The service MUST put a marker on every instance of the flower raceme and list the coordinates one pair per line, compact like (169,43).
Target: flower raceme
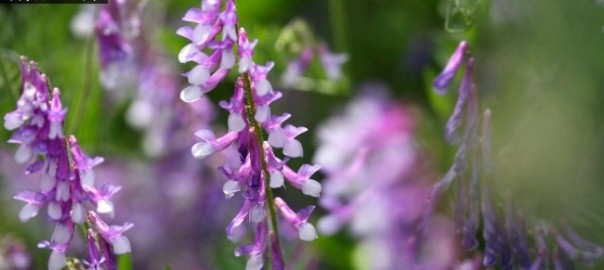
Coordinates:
(505,237)
(66,185)
(212,50)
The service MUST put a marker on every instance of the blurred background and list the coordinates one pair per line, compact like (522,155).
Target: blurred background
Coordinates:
(539,67)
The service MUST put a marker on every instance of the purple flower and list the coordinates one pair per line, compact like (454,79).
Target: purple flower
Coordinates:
(296,68)
(66,184)
(210,69)
(332,63)
(507,246)
(13,254)
(249,117)
(444,79)
(373,185)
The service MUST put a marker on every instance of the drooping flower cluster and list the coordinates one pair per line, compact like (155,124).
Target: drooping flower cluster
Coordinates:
(375,186)
(259,168)
(505,237)
(66,183)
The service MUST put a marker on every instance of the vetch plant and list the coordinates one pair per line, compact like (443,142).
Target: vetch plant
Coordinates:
(250,120)
(506,239)
(67,183)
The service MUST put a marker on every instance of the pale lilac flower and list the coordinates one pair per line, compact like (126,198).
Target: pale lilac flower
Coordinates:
(332,63)
(296,68)
(13,254)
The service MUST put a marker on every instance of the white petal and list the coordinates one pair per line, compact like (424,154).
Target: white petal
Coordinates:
(54,210)
(263,87)
(185,53)
(228,59)
(276,179)
(199,75)
(47,182)
(104,206)
(237,233)
(120,245)
(28,211)
(257,214)
(202,150)
(293,148)
(230,188)
(61,234)
(57,260)
(23,154)
(52,168)
(87,178)
(276,138)
(311,187)
(230,32)
(200,33)
(236,122)
(191,93)
(262,113)
(255,262)
(62,192)
(307,232)
(56,130)
(245,63)
(329,225)
(140,113)
(77,213)
(11,123)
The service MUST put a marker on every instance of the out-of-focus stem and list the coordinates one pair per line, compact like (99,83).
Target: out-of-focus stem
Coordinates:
(84,92)
(258,131)
(338,24)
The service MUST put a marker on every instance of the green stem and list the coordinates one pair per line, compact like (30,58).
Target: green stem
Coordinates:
(338,24)
(84,92)
(258,131)
(13,94)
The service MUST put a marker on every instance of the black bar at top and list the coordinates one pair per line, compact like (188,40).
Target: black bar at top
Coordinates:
(54,1)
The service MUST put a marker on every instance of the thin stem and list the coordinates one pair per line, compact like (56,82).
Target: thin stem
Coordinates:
(338,24)
(258,130)
(84,92)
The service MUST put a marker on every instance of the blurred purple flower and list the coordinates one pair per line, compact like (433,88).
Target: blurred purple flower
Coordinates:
(373,185)
(13,254)
(331,63)
(507,246)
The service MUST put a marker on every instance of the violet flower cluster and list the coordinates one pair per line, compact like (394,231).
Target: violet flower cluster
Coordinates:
(376,185)
(114,27)
(505,236)
(66,185)
(131,60)
(250,117)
